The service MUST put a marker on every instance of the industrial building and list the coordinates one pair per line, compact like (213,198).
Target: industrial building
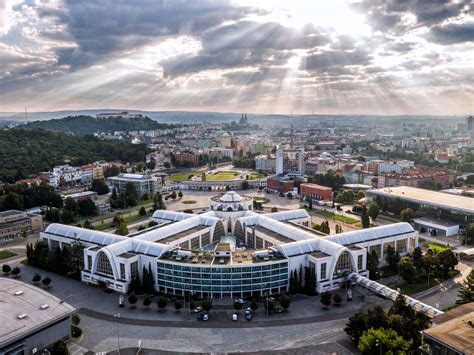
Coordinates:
(229,251)
(13,224)
(32,319)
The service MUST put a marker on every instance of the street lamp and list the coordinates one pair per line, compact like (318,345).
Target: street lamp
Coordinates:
(378,344)
(118,333)
(429,269)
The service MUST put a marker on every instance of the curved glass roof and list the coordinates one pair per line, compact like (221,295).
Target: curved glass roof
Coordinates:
(84,235)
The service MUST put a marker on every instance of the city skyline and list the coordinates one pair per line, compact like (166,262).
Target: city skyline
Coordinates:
(365,57)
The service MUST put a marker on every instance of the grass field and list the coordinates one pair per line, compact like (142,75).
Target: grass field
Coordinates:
(421,283)
(222,175)
(189,202)
(437,247)
(182,176)
(254,176)
(5,254)
(337,217)
(262,200)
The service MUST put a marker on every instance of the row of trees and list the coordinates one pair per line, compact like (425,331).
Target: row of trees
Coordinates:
(20,197)
(323,227)
(303,281)
(67,261)
(397,331)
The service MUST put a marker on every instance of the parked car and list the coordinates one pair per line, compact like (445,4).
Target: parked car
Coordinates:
(278,310)
(248,310)
(235,317)
(205,317)
(239,300)
(198,309)
(200,317)
(248,316)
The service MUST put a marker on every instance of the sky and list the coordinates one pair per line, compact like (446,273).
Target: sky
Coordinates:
(391,57)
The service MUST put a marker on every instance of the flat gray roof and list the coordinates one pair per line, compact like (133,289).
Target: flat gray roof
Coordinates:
(428,197)
(28,303)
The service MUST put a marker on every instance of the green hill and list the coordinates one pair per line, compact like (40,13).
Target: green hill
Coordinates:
(83,125)
(26,152)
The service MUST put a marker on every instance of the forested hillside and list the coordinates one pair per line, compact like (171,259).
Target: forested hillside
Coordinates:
(25,152)
(83,125)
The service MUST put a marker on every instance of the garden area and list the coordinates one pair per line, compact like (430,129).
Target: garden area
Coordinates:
(337,217)
(189,202)
(261,200)
(5,254)
(182,176)
(222,175)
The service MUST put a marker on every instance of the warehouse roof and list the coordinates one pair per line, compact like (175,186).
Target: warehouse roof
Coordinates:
(25,309)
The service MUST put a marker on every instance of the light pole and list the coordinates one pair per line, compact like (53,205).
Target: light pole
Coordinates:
(378,344)
(118,333)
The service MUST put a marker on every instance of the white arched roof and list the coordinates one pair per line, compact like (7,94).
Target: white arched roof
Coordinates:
(365,235)
(230,197)
(288,215)
(170,215)
(307,246)
(82,234)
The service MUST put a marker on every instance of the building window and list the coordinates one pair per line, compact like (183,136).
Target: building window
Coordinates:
(402,246)
(89,262)
(134,269)
(360,259)
(103,264)
(122,271)
(343,263)
(323,271)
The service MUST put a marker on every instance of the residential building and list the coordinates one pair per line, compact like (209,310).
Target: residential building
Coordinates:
(417,177)
(225,141)
(280,184)
(120,115)
(187,158)
(219,153)
(13,224)
(289,161)
(32,319)
(144,184)
(265,162)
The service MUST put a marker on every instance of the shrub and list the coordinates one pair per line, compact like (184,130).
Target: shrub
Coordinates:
(6,269)
(132,299)
(75,319)
(326,299)
(46,281)
(207,305)
(147,301)
(16,271)
(76,332)
(237,306)
(161,302)
(178,305)
(36,278)
(337,299)
(254,304)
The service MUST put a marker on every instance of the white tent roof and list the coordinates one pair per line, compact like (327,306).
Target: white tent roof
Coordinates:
(288,215)
(368,234)
(170,215)
(82,234)
(231,196)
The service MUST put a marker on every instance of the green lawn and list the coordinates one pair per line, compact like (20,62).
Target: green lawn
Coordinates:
(437,247)
(421,283)
(337,217)
(254,176)
(262,200)
(189,202)
(5,254)
(182,176)
(222,175)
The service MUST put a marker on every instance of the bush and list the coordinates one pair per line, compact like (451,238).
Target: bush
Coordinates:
(285,302)
(59,348)
(36,278)
(6,269)
(132,299)
(326,299)
(207,305)
(237,306)
(337,299)
(46,281)
(178,305)
(142,211)
(75,319)
(161,302)
(254,304)
(76,332)
(16,271)
(146,301)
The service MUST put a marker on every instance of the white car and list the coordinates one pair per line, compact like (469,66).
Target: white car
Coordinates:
(198,309)
(235,317)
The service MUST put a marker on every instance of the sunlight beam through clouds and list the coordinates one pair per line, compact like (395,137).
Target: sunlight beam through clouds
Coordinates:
(269,56)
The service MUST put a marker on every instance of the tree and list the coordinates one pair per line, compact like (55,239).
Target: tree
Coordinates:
(46,281)
(6,269)
(373,210)
(392,258)
(75,319)
(466,292)
(373,264)
(173,195)
(253,305)
(447,260)
(360,195)
(122,229)
(36,278)
(274,209)
(364,218)
(178,305)
(356,326)
(470,233)
(16,271)
(132,299)
(337,299)
(406,215)
(418,258)
(88,225)
(237,306)
(285,301)
(206,305)
(99,186)
(161,302)
(59,348)
(310,204)
(70,205)
(86,207)
(180,194)
(402,308)
(325,299)
(383,341)
(406,269)
(142,211)
(147,301)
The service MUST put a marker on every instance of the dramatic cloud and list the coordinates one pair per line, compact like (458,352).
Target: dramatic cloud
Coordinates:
(370,56)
